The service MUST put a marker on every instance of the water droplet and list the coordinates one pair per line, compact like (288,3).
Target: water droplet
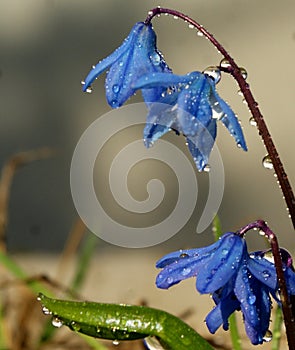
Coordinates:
(224,63)
(155,58)
(56,322)
(207,168)
(191,26)
(252,121)
(214,73)
(183,255)
(89,90)
(170,280)
(267,336)
(150,13)
(267,163)
(82,82)
(46,311)
(116,88)
(266,274)
(186,271)
(75,326)
(243,72)
(114,103)
(175,17)
(199,33)
(116,342)
(251,299)
(262,233)
(224,251)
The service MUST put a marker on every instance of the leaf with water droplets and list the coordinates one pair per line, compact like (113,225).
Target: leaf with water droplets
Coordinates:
(124,322)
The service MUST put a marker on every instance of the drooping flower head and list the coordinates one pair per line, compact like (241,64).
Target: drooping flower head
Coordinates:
(236,279)
(137,56)
(191,106)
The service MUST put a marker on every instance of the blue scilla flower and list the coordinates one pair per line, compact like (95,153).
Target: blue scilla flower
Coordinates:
(137,56)
(190,105)
(236,279)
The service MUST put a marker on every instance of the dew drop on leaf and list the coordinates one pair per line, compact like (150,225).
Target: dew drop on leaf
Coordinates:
(56,322)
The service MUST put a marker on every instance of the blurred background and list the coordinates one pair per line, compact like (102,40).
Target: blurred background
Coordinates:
(47,47)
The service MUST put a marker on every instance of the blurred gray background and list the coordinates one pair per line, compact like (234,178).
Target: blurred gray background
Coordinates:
(47,47)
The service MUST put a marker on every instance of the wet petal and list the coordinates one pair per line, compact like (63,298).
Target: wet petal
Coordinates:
(263,270)
(201,145)
(228,118)
(224,263)
(221,312)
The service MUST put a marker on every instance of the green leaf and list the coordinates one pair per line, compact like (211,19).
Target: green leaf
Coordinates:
(125,322)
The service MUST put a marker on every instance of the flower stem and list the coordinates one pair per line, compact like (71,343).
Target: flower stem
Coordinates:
(286,304)
(234,70)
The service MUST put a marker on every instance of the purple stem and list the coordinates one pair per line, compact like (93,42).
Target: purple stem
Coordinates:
(286,304)
(234,70)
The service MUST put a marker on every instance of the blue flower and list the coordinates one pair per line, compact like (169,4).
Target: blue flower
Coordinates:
(137,56)
(190,106)
(236,279)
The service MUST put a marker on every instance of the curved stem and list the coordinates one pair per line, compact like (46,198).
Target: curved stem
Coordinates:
(286,304)
(234,70)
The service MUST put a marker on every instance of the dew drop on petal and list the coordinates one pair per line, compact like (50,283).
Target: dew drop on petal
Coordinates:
(224,63)
(170,280)
(207,168)
(224,251)
(186,271)
(267,336)
(252,121)
(56,322)
(116,88)
(251,299)
(267,163)
(214,73)
(89,90)
(183,255)
(243,72)
(266,274)
(155,58)
(82,82)
(114,103)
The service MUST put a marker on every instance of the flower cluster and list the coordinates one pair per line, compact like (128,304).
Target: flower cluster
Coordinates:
(236,279)
(188,104)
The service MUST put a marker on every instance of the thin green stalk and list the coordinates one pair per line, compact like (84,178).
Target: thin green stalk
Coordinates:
(84,259)
(277,329)
(234,332)
(3,340)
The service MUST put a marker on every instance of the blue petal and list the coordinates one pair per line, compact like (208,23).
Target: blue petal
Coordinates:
(194,110)
(137,56)
(183,264)
(163,79)
(221,312)
(108,61)
(224,263)
(263,270)
(228,117)
(161,117)
(200,145)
